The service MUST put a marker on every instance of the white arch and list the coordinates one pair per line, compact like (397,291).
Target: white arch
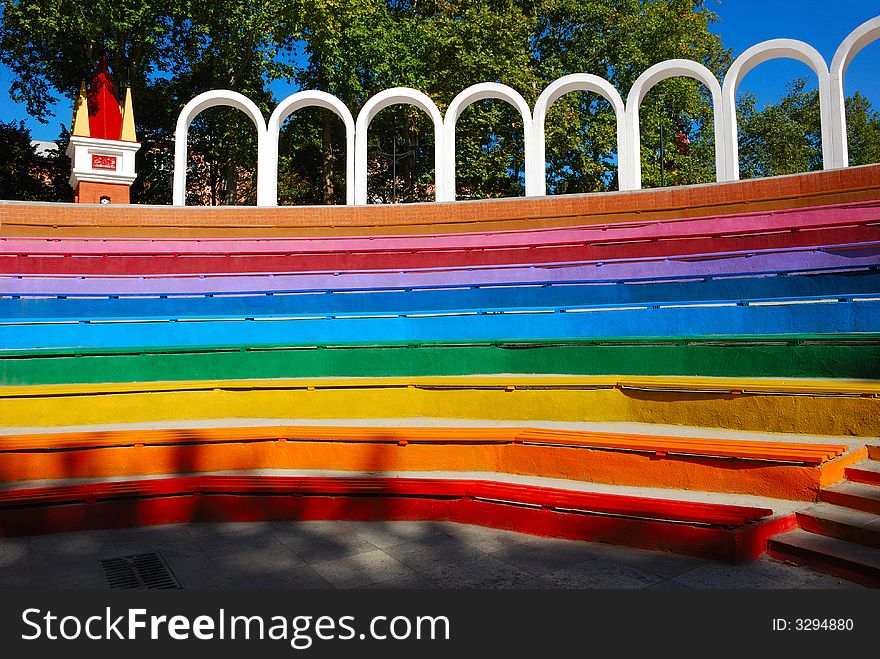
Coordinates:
(371,108)
(763,52)
(480,92)
(190,111)
(864,34)
(287,107)
(556,90)
(643,84)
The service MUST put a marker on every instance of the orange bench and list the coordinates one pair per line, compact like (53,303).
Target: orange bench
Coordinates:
(795,452)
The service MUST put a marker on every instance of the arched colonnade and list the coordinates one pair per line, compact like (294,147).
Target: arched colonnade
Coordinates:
(831,97)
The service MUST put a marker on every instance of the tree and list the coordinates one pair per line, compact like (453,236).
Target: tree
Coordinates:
(166,51)
(786,137)
(23,175)
(16,181)
(863,130)
(239,43)
(443,46)
(355,50)
(618,40)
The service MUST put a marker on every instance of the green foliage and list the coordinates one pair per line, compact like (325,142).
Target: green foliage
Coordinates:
(53,45)
(786,137)
(863,130)
(15,168)
(26,176)
(168,51)
(441,47)
(618,40)
(355,50)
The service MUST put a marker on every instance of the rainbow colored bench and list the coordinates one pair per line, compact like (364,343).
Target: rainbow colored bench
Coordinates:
(720,531)
(780,469)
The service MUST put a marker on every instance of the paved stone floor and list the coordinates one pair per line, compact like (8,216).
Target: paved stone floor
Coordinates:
(377,555)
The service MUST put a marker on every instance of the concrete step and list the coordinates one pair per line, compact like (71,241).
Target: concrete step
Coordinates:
(874,452)
(858,496)
(866,471)
(838,557)
(841,523)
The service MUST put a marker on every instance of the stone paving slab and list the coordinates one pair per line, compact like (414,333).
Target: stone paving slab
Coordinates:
(362,569)
(393,555)
(441,550)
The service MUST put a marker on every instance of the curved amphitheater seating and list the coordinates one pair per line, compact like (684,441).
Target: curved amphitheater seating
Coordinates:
(537,510)
(191,261)
(494,338)
(742,290)
(841,215)
(802,356)
(789,470)
(835,258)
(789,315)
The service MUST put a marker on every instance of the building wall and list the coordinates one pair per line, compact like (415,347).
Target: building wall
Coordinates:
(91,193)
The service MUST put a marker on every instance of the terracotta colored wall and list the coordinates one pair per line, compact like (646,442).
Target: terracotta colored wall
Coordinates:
(834,186)
(91,193)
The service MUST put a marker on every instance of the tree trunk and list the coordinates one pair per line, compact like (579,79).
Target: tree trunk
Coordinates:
(231,177)
(409,162)
(328,158)
(212,170)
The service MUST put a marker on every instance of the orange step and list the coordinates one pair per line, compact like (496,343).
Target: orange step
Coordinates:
(795,452)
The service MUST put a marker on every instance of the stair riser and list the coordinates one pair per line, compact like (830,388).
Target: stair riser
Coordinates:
(839,530)
(851,501)
(874,452)
(866,575)
(865,476)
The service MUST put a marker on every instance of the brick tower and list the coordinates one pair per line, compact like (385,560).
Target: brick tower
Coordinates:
(102,143)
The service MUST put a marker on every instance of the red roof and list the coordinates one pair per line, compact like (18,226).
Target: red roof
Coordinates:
(105,117)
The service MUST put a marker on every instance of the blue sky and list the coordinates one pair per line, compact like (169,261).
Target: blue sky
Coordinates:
(821,23)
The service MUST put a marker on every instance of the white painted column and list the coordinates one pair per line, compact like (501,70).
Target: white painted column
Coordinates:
(553,92)
(480,92)
(286,108)
(371,108)
(643,84)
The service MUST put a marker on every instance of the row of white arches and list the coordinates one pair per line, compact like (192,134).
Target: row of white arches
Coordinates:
(835,151)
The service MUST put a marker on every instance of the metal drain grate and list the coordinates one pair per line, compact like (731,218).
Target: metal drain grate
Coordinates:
(139,571)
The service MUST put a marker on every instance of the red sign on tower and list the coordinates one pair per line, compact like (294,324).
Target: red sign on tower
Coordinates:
(104,162)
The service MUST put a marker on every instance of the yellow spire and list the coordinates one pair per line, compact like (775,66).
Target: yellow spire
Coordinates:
(80,125)
(128,133)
